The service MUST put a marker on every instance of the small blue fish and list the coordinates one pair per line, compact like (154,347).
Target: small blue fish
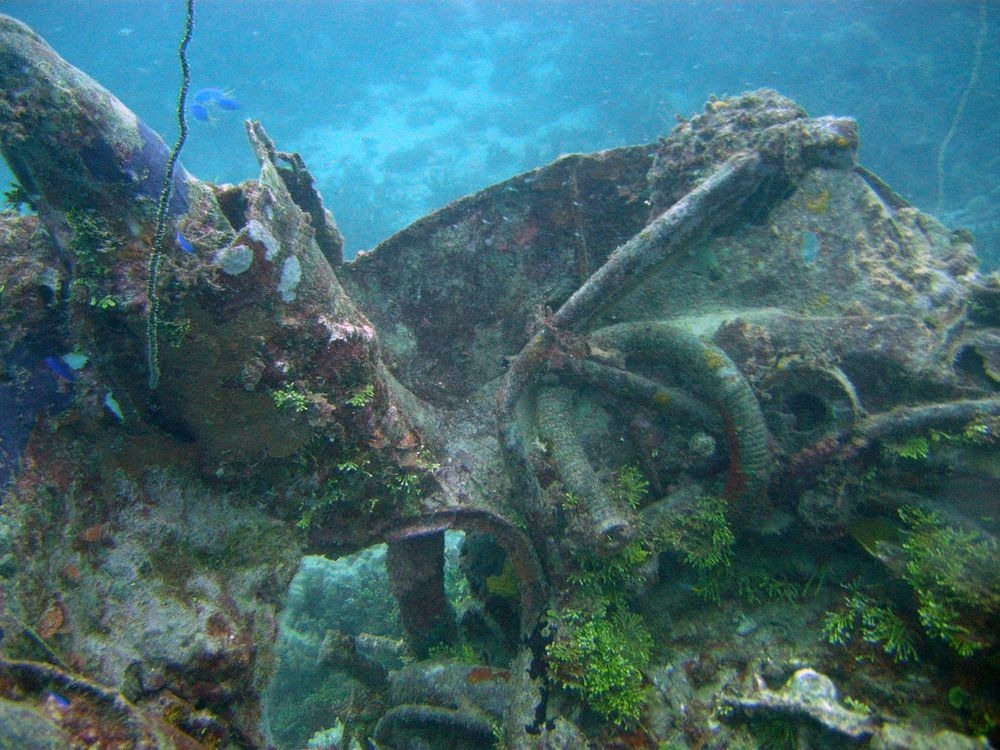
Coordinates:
(183,243)
(205,99)
(207,96)
(75,360)
(227,103)
(204,96)
(57,699)
(112,405)
(60,368)
(199,112)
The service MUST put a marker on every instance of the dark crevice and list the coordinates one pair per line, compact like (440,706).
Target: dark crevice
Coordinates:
(176,428)
(301,186)
(808,410)
(233,203)
(536,642)
(970,365)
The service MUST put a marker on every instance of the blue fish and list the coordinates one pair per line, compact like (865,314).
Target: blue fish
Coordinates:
(205,99)
(199,112)
(206,96)
(183,243)
(57,699)
(112,405)
(60,368)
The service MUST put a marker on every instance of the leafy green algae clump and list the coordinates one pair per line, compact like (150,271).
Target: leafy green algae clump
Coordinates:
(602,655)
(630,488)
(878,624)
(955,574)
(599,648)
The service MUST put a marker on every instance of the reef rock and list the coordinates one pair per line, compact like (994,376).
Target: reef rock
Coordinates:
(813,696)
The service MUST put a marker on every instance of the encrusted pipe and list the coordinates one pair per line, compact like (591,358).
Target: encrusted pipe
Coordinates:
(520,553)
(715,199)
(711,202)
(805,466)
(707,371)
(416,578)
(68,141)
(907,420)
(524,482)
(439,722)
(648,391)
(608,523)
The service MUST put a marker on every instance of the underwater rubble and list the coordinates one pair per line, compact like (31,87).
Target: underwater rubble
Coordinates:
(718,417)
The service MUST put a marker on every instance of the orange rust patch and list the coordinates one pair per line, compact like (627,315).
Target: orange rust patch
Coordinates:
(486,674)
(93,535)
(52,620)
(526,235)
(217,626)
(736,479)
(408,441)
(634,740)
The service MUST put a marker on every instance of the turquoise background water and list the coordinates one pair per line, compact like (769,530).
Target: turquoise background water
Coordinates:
(399,107)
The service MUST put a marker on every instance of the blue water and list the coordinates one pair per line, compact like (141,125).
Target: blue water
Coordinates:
(399,107)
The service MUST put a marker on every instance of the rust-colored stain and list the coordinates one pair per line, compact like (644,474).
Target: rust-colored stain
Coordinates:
(217,626)
(52,620)
(94,535)
(486,674)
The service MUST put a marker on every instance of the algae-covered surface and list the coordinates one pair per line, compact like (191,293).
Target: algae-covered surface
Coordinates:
(690,444)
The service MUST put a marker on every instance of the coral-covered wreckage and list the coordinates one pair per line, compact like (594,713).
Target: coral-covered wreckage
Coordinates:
(724,408)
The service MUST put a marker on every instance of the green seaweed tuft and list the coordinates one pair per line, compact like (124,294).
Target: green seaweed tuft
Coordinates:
(955,574)
(601,655)
(610,577)
(915,448)
(290,398)
(363,396)
(877,623)
(703,535)
(630,487)
(16,198)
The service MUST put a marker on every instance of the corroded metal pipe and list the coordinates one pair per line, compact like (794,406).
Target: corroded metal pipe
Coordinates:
(416,577)
(607,524)
(709,373)
(69,142)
